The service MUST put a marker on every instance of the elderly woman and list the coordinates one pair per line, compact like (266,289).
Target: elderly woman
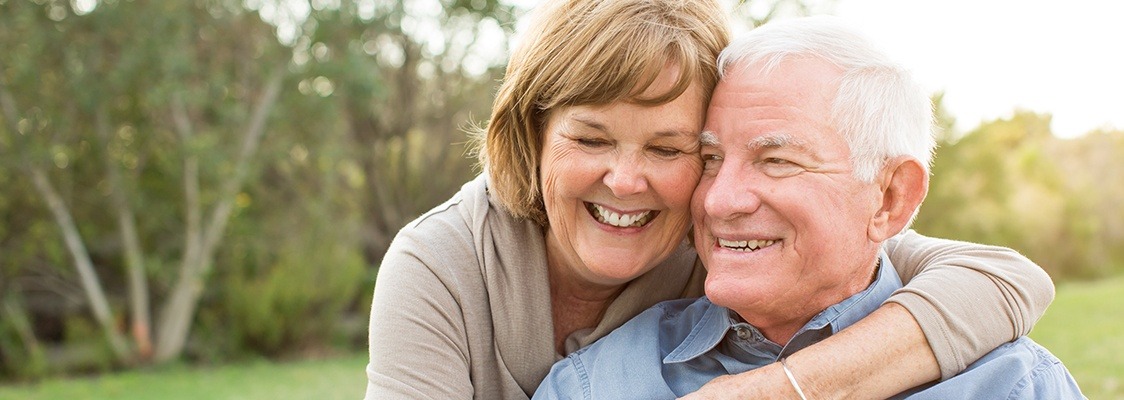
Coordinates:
(580,218)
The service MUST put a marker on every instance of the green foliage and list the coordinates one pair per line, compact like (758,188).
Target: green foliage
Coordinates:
(21,355)
(283,293)
(83,350)
(1010,182)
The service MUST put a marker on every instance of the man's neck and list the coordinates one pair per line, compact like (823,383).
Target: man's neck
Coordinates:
(780,329)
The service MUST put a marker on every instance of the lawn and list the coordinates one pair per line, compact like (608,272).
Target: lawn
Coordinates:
(339,378)
(1084,328)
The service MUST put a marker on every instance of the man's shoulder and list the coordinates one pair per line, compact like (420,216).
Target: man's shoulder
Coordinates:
(1019,369)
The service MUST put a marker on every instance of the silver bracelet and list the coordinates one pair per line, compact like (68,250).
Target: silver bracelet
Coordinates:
(792,380)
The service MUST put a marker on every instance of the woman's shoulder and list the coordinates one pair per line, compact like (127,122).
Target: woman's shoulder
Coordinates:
(451,219)
(456,236)
(443,232)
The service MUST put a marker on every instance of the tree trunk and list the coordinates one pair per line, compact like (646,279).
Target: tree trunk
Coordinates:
(201,241)
(94,293)
(134,256)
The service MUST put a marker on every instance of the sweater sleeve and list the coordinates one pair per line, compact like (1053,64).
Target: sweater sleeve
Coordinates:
(968,298)
(418,341)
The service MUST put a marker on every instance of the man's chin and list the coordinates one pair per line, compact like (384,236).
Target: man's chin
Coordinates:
(731,292)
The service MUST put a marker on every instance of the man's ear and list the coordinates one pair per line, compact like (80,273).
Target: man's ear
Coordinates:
(903,183)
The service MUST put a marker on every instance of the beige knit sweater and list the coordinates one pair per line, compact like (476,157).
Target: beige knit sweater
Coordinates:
(461,306)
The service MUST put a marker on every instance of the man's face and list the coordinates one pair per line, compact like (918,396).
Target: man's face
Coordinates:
(780,221)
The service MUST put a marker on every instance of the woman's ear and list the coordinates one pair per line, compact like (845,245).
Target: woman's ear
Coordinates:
(904,184)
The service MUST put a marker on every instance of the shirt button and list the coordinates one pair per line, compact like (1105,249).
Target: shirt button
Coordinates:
(743,333)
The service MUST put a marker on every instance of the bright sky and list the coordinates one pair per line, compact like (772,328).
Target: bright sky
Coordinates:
(992,56)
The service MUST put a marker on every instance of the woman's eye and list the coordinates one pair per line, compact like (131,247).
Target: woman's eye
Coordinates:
(666,151)
(592,143)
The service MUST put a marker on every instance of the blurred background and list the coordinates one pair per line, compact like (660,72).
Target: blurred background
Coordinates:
(195,195)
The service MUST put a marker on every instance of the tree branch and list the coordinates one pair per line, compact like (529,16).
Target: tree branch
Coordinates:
(134,255)
(251,139)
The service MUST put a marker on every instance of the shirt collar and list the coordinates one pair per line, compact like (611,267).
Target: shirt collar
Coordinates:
(706,334)
(861,304)
(710,330)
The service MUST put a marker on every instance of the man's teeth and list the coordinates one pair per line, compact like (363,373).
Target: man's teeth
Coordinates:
(620,220)
(745,245)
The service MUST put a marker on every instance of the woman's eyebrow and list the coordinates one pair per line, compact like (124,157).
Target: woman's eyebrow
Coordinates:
(590,123)
(597,125)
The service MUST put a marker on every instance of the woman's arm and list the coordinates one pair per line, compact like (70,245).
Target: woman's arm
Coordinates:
(418,345)
(961,301)
(877,357)
(967,298)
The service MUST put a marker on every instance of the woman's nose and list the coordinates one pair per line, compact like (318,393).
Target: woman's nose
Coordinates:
(627,176)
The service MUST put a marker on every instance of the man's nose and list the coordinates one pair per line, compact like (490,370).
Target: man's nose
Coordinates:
(731,194)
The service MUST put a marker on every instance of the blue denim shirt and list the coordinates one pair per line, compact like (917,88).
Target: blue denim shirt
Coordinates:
(675,347)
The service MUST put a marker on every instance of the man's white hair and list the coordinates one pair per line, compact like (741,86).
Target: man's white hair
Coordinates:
(879,109)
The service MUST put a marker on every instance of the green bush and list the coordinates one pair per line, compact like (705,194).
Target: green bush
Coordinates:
(291,298)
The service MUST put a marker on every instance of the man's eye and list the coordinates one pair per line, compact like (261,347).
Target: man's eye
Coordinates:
(779,167)
(711,162)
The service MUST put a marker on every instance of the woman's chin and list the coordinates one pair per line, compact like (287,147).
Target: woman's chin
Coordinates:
(615,274)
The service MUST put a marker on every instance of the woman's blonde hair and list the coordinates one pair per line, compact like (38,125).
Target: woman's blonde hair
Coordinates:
(590,52)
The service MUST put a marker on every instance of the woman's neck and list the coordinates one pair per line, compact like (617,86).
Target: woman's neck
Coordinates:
(576,302)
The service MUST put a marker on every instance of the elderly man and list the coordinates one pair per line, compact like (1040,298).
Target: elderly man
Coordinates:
(816,150)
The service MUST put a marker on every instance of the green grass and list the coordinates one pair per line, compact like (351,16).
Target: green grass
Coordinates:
(1084,328)
(339,378)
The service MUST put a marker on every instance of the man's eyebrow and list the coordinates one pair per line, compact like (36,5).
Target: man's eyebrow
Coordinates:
(708,138)
(778,140)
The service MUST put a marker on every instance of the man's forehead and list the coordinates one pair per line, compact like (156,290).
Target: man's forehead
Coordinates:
(795,82)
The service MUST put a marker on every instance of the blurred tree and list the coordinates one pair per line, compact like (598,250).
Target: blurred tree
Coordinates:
(1092,167)
(139,127)
(108,88)
(407,77)
(1004,183)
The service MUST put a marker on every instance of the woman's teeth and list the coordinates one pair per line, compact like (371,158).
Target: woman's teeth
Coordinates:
(619,220)
(745,245)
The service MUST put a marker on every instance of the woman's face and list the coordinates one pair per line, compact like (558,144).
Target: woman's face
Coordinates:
(617,183)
